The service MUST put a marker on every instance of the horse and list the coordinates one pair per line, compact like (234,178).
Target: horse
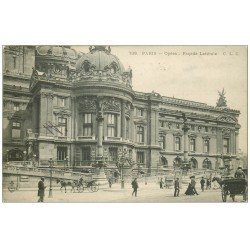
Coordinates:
(218,179)
(64,184)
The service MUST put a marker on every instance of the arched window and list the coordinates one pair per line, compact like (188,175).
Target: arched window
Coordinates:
(86,66)
(194,163)
(177,162)
(207,164)
(113,68)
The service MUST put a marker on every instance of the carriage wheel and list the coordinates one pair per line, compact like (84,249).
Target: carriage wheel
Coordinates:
(245,195)
(94,187)
(224,196)
(89,189)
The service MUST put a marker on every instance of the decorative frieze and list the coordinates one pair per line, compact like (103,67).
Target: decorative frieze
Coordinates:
(111,104)
(87,104)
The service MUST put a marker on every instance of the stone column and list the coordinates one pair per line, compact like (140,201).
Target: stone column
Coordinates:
(132,125)
(50,98)
(185,130)
(123,120)
(43,114)
(237,143)
(99,119)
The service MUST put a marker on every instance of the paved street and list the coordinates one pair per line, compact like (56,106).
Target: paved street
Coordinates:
(146,193)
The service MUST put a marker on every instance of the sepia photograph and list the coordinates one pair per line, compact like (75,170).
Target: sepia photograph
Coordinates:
(124,124)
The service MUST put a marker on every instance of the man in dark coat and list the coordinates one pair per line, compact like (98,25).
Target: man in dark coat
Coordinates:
(161,183)
(208,183)
(41,189)
(239,174)
(202,184)
(135,186)
(176,187)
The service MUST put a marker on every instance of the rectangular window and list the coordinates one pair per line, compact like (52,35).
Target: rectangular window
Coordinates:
(16,106)
(140,134)
(86,154)
(206,146)
(112,125)
(206,129)
(177,143)
(113,154)
(16,130)
(178,126)
(87,124)
(61,153)
(162,142)
(192,127)
(162,124)
(62,126)
(226,145)
(140,157)
(192,145)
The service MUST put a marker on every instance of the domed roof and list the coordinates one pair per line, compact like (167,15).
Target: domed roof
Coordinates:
(100,59)
(57,52)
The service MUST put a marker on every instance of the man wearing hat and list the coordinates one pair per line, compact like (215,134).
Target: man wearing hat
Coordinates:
(176,187)
(135,186)
(41,189)
(239,174)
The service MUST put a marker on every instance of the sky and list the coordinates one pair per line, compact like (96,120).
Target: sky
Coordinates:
(193,73)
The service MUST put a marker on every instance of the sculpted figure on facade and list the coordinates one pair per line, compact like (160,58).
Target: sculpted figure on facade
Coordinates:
(111,104)
(87,104)
(222,102)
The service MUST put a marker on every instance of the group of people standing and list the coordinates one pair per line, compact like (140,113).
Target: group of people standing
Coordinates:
(191,189)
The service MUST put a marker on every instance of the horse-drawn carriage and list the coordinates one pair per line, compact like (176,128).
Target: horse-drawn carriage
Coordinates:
(233,187)
(79,185)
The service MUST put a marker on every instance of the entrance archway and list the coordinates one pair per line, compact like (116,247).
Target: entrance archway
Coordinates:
(207,164)
(194,163)
(177,162)
(15,155)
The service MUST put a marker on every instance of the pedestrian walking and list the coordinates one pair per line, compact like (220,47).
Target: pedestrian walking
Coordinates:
(193,183)
(202,184)
(208,183)
(135,186)
(176,187)
(161,183)
(41,189)
(110,182)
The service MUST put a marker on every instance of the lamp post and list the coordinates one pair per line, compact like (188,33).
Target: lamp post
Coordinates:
(51,162)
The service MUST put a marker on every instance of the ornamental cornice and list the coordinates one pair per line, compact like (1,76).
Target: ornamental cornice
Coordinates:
(140,122)
(62,112)
(177,134)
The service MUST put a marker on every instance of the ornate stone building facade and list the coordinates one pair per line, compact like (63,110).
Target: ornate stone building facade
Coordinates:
(78,108)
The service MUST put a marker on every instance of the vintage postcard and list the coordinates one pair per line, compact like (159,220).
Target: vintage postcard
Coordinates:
(130,124)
